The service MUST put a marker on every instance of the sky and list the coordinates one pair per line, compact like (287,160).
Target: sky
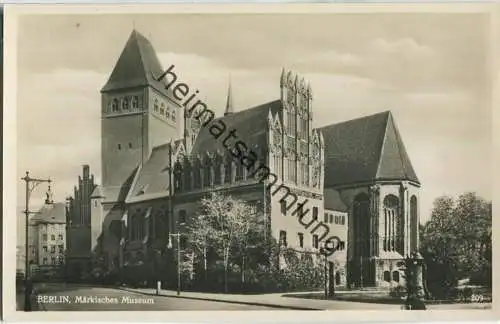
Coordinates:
(434,79)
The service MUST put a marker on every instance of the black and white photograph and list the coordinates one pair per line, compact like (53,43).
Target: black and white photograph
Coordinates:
(251,161)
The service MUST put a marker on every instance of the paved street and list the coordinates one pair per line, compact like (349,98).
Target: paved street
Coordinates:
(71,298)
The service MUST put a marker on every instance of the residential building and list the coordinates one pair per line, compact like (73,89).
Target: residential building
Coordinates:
(47,236)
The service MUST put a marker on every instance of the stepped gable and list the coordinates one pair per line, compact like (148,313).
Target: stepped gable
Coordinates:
(365,149)
(250,125)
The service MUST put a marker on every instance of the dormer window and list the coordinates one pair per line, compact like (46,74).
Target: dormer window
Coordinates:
(162,109)
(114,105)
(167,114)
(135,102)
(156,106)
(124,104)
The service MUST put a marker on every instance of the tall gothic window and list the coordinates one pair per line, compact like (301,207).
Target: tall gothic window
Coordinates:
(303,102)
(167,113)
(291,124)
(391,221)
(304,173)
(173,114)
(303,128)
(277,164)
(162,109)
(292,169)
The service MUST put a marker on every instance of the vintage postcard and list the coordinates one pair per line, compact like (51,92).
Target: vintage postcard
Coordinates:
(226,159)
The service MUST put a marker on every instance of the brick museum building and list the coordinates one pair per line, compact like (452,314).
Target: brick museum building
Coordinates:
(159,159)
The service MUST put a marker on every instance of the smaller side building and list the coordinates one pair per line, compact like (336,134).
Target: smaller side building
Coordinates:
(47,237)
(336,218)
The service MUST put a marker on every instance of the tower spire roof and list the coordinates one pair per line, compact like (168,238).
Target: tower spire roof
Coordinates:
(229,103)
(137,66)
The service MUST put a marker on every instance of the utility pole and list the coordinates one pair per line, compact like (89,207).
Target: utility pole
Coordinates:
(31,184)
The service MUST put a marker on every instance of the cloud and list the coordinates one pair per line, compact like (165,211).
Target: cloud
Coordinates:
(407,47)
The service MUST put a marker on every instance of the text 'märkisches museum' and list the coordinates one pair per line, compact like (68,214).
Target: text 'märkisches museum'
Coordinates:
(356,176)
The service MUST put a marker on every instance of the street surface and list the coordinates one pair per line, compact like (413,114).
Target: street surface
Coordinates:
(71,298)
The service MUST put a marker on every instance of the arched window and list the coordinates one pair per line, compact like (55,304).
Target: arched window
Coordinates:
(167,113)
(135,102)
(173,114)
(156,105)
(125,104)
(114,105)
(391,222)
(162,109)
(414,223)
(395,276)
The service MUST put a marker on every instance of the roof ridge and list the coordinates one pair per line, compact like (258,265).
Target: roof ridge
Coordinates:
(381,149)
(399,142)
(356,119)
(141,54)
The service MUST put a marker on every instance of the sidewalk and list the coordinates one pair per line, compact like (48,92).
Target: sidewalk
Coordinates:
(268,300)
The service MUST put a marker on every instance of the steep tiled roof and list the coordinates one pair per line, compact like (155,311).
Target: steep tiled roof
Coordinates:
(50,213)
(137,66)
(250,125)
(153,176)
(365,149)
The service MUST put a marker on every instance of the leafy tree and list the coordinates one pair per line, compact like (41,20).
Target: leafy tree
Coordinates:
(230,229)
(456,242)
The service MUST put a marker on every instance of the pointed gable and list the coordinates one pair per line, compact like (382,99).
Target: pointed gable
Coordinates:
(365,149)
(137,66)
(394,161)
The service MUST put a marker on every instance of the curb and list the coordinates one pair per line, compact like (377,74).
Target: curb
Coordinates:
(227,301)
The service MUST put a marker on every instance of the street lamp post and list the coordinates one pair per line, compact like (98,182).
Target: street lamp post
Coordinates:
(178,236)
(31,184)
(323,251)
